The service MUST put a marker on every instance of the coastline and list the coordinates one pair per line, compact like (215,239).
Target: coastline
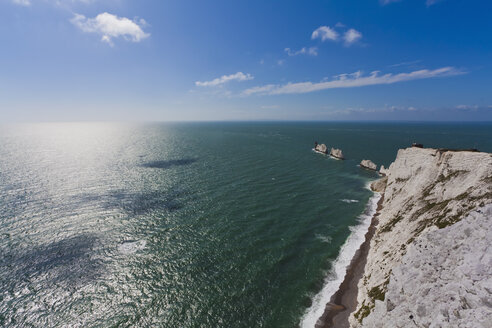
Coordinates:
(323,302)
(344,301)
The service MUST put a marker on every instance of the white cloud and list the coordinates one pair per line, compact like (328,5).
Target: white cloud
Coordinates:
(313,51)
(24,3)
(427,2)
(385,2)
(351,81)
(280,62)
(352,36)
(408,63)
(325,33)
(239,76)
(110,26)
(265,89)
(467,107)
(431,2)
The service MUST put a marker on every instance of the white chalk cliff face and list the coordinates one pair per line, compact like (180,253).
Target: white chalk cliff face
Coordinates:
(429,261)
(444,279)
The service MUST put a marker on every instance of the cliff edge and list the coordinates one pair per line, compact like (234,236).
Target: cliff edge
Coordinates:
(429,262)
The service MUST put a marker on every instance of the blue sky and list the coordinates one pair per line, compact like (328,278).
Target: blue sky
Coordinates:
(120,60)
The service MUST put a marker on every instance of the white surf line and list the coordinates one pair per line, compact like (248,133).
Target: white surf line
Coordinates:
(349,201)
(339,268)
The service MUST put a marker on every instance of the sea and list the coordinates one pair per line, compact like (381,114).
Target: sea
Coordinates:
(216,224)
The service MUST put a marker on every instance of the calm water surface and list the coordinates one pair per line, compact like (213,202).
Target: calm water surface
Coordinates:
(184,225)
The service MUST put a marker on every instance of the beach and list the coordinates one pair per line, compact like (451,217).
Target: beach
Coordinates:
(344,301)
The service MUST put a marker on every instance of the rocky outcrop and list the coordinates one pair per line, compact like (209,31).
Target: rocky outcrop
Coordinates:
(321,148)
(337,153)
(368,164)
(428,198)
(383,171)
(379,185)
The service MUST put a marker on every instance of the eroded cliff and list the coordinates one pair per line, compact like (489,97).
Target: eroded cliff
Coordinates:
(427,191)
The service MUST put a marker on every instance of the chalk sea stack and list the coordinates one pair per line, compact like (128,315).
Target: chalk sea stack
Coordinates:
(320,148)
(368,164)
(383,170)
(337,153)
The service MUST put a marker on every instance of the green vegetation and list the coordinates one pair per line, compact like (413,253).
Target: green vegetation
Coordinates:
(391,224)
(376,293)
(363,311)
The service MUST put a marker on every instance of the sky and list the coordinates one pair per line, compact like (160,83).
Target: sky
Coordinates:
(181,60)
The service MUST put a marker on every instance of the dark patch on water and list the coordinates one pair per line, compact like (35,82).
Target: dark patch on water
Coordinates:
(68,262)
(133,203)
(141,203)
(169,163)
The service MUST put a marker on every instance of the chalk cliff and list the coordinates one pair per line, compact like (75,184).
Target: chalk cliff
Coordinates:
(430,262)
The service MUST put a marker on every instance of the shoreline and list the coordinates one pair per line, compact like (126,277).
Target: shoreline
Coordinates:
(344,301)
(315,314)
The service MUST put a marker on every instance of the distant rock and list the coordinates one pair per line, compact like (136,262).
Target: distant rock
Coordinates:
(320,148)
(383,171)
(379,185)
(368,164)
(337,153)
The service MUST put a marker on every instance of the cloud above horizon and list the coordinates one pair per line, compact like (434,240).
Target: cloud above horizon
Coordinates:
(312,51)
(427,2)
(350,81)
(352,36)
(324,33)
(386,2)
(239,76)
(110,26)
(24,3)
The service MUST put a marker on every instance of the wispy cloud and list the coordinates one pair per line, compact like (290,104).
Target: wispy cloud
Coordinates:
(385,2)
(24,3)
(324,33)
(239,76)
(427,2)
(467,107)
(111,26)
(351,81)
(352,36)
(408,63)
(313,51)
(432,2)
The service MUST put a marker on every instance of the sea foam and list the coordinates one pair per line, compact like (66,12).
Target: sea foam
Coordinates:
(132,247)
(337,273)
(349,200)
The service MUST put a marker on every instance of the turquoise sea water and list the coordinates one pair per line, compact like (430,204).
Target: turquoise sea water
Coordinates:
(184,225)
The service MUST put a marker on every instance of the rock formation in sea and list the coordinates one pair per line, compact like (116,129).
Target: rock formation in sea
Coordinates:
(321,148)
(382,170)
(337,153)
(430,260)
(368,164)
